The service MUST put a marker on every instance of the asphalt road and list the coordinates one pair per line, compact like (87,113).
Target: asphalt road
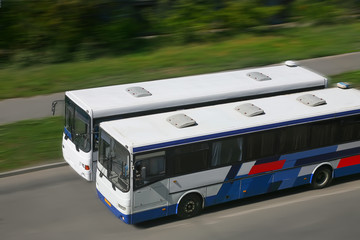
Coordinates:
(40,106)
(57,204)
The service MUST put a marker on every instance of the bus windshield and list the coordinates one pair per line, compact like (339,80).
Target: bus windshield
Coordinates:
(114,162)
(77,126)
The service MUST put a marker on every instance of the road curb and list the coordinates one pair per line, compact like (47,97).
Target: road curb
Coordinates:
(32,169)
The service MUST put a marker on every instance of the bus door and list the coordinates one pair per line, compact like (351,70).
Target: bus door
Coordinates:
(151,188)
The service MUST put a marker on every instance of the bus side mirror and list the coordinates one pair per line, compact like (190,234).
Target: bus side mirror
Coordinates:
(55,106)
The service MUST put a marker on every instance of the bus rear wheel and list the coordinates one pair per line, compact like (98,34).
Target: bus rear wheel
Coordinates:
(189,206)
(322,178)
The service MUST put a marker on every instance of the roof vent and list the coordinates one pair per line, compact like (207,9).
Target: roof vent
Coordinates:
(311,100)
(258,76)
(249,110)
(138,92)
(181,121)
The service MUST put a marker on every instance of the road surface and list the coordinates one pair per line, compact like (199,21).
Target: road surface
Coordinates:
(58,204)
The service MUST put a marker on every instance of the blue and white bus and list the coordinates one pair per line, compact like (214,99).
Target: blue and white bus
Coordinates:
(182,161)
(85,109)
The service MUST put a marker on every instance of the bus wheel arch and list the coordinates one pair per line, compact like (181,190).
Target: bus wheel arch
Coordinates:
(322,176)
(190,205)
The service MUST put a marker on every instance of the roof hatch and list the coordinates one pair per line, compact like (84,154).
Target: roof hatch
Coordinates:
(258,76)
(138,92)
(181,121)
(249,110)
(311,100)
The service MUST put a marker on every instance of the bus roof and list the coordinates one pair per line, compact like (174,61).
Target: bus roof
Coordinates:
(155,131)
(136,97)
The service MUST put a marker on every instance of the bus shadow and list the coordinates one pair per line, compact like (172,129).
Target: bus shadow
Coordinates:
(245,202)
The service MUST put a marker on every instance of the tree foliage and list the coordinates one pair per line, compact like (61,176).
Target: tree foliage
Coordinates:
(318,12)
(49,31)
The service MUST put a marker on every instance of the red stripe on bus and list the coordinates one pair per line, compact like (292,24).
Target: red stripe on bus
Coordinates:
(349,161)
(266,167)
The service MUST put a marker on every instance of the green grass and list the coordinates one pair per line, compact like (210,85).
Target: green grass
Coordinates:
(28,143)
(34,142)
(244,50)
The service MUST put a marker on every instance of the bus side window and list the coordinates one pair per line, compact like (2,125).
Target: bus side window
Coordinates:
(260,144)
(189,158)
(149,168)
(226,151)
(350,129)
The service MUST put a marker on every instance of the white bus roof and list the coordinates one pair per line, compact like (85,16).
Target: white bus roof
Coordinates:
(155,131)
(122,99)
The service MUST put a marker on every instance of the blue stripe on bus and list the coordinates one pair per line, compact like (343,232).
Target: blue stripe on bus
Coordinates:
(327,156)
(67,133)
(242,131)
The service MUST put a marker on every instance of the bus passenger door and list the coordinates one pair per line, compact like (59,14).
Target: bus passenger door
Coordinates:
(151,187)
(151,201)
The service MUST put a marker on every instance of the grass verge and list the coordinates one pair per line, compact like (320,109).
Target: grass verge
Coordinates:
(29,143)
(244,50)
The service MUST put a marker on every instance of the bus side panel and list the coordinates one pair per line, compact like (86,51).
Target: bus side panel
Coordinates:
(228,191)
(348,166)
(197,180)
(284,179)
(255,185)
(244,183)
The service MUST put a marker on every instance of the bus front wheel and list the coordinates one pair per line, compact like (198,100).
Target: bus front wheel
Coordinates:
(321,178)
(189,206)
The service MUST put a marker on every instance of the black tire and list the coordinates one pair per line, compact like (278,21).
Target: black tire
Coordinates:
(189,206)
(322,178)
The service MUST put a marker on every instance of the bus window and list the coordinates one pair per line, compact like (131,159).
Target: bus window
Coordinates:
(260,144)
(189,158)
(293,139)
(323,134)
(226,151)
(149,168)
(350,129)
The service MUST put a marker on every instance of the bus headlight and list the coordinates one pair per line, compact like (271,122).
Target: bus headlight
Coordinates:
(121,207)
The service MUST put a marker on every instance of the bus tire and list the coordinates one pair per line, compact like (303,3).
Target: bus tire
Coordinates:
(321,178)
(189,206)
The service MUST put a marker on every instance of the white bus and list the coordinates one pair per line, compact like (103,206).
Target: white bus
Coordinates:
(85,109)
(182,161)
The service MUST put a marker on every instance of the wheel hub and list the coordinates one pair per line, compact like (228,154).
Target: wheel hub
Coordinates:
(189,207)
